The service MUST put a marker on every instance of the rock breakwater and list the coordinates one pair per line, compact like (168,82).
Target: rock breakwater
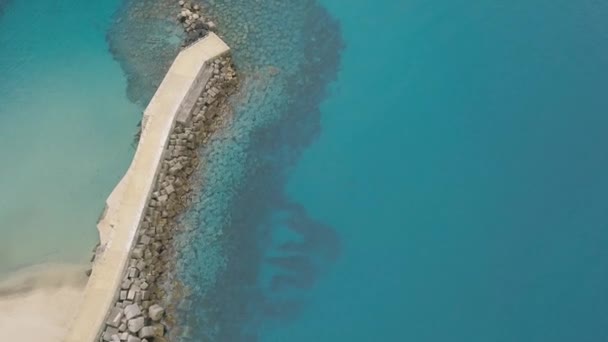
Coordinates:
(195,24)
(138,313)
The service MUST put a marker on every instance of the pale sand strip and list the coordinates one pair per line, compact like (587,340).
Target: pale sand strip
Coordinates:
(36,303)
(125,206)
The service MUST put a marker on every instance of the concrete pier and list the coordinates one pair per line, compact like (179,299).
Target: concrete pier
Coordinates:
(125,208)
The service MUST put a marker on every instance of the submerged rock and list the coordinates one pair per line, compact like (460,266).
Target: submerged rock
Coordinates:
(146,332)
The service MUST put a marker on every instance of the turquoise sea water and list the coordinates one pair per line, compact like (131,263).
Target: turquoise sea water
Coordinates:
(462,164)
(66,128)
(453,187)
(416,170)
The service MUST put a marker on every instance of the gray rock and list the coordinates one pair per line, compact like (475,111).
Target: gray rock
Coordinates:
(126,284)
(145,239)
(115,317)
(133,272)
(200,25)
(133,339)
(136,324)
(132,292)
(146,332)
(132,311)
(163,199)
(138,253)
(108,333)
(178,166)
(141,265)
(156,312)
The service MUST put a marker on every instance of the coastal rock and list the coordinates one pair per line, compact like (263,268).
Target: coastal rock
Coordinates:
(156,312)
(136,324)
(115,317)
(133,272)
(132,311)
(146,332)
(132,293)
(132,338)
(126,284)
(138,253)
(191,37)
(109,333)
(182,16)
(137,311)
(159,330)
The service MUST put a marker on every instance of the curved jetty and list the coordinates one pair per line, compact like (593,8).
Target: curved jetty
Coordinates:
(117,304)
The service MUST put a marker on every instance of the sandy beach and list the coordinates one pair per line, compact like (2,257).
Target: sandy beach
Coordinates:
(38,303)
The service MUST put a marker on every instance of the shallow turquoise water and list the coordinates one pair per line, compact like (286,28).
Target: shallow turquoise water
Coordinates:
(66,128)
(455,188)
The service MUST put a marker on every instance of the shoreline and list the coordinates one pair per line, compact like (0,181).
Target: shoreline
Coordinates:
(133,234)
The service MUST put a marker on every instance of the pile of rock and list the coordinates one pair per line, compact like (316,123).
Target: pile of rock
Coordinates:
(193,21)
(137,315)
(131,324)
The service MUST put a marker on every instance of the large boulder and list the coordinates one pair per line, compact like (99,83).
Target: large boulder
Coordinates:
(146,332)
(132,311)
(136,324)
(156,312)
(109,333)
(115,317)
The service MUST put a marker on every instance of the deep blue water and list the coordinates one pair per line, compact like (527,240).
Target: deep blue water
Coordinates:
(462,164)
(452,187)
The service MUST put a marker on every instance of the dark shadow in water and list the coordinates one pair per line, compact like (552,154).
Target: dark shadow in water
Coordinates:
(3,5)
(266,281)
